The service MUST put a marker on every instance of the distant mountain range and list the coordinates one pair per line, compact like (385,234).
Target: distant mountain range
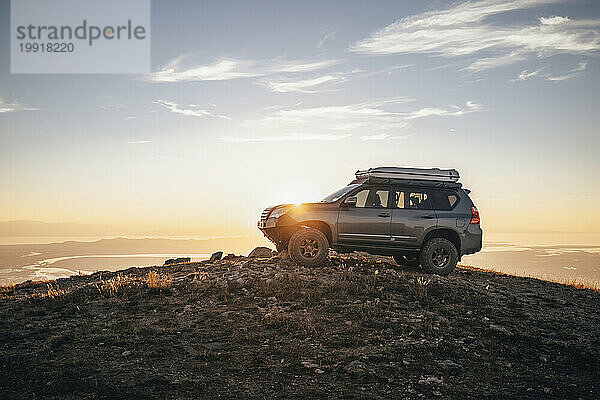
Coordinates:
(26,228)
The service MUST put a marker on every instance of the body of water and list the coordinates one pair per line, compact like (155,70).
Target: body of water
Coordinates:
(553,256)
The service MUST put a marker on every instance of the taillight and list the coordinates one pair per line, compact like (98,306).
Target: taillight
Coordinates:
(474,215)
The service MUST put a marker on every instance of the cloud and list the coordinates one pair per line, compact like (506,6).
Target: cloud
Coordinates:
(464,30)
(139,142)
(302,86)
(325,38)
(554,20)
(192,111)
(291,137)
(114,106)
(450,111)
(378,136)
(226,69)
(526,74)
(571,74)
(493,62)
(14,106)
(381,118)
(374,115)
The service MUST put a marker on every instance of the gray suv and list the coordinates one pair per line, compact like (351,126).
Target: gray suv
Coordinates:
(418,216)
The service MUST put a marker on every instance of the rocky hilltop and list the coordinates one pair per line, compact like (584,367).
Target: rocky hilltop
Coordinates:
(238,327)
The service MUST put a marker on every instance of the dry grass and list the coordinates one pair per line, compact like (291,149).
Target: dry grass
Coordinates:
(6,290)
(299,324)
(156,281)
(112,286)
(418,288)
(576,283)
(53,292)
(580,284)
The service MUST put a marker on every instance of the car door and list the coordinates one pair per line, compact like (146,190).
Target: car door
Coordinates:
(412,215)
(368,222)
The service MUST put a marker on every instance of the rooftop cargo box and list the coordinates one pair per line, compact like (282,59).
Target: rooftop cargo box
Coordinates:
(421,174)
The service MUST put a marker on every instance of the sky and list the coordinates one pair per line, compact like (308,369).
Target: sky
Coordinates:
(251,104)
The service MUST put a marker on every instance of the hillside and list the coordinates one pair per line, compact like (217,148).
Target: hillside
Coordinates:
(360,327)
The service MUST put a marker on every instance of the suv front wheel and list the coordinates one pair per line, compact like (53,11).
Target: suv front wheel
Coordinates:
(308,246)
(439,256)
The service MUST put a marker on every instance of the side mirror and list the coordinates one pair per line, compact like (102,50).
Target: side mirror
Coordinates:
(350,201)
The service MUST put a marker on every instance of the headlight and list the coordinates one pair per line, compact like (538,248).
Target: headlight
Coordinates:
(278,212)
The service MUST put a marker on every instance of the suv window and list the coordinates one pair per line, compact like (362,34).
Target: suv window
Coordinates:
(446,200)
(372,198)
(399,199)
(414,199)
(419,200)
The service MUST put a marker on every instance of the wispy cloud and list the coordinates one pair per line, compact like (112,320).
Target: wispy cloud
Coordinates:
(226,69)
(570,75)
(113,106)
(290,137)
(494,62)
(14,106)
(369,115)
(326,37)
(303,86)
(139,142)
(451,111)
(465,30)
(378,136)
(192,110)
(526,74)
(381,118)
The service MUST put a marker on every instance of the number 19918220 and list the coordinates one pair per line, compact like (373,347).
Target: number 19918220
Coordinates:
(46,47)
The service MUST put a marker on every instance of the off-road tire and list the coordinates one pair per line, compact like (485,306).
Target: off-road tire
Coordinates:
(405,261)
(309,247)
(439,256)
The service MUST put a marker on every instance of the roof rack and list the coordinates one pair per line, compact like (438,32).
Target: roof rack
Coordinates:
(401,173)
(408,182)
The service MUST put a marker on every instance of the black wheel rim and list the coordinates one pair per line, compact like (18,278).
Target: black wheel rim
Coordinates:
(309,248)
(440,257)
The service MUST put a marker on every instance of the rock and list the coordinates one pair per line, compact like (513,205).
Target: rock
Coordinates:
(430,379)
(179,260)
(213,345)
(309,364)
(283,254)
(319,371)
(190,350)
(356,367)
(500,329)
(216,256)
(261,252)
(450,365)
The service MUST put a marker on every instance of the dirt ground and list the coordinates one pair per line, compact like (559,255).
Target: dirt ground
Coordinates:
(359,327)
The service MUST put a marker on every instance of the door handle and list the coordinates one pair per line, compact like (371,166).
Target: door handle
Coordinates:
(383,215)
(428,217)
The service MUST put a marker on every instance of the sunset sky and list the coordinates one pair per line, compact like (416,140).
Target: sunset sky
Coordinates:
(256,103)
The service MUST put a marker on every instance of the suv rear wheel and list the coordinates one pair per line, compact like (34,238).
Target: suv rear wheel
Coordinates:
(308,246)
(439,256)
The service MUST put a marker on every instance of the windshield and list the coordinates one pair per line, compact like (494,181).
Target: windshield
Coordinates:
(335,196)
